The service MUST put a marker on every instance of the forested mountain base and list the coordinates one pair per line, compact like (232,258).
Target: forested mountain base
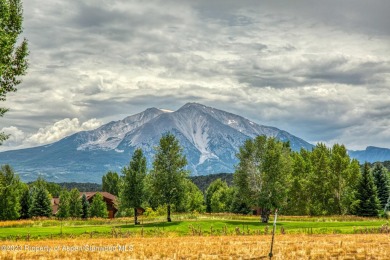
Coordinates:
(204,181)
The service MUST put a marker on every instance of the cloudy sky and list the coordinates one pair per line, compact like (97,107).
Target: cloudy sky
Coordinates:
(317,69)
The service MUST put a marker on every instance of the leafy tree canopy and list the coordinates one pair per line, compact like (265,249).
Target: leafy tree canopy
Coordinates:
(13,62)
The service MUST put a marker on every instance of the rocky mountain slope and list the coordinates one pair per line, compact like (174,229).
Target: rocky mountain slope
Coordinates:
(210,139)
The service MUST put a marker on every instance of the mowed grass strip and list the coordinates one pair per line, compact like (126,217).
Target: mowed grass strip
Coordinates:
(199,227)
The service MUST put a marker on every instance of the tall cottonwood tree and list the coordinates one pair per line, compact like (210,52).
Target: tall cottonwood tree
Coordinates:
(168,174)
(344,176)
(13,62)
(262,173)
(320,181)
(110,183)
(10,189)
(328,171)
(132,192)
(299,193)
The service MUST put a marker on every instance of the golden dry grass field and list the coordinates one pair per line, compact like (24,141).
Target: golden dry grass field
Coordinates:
(357,246)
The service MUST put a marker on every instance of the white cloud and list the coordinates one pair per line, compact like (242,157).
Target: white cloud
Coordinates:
(16,136)
(61,129)
(48,134)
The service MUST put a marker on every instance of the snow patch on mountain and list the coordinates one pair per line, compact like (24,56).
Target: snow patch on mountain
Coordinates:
(109,136)
(166,110)
(210,139)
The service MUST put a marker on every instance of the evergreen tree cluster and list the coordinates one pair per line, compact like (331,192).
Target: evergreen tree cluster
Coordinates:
(24,201)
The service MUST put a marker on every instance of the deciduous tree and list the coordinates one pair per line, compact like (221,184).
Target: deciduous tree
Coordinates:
(168,174)
(13,62)
(64,205)
(10,189)
(110,183)
(75,206)
(262,173)
(132,192)
(98,207)
(218,204)
(193,198)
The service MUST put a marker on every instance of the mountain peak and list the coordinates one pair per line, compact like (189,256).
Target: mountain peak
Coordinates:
(193,105)
(152,110)
(210,139)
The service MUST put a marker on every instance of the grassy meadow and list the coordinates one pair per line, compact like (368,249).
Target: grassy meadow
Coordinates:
(200,236)
(188,225)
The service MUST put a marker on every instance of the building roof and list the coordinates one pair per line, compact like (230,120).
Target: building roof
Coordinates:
(90,194)
(108,197)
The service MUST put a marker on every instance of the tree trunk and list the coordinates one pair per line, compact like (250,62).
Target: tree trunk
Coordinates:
(169,213)
(135,217)
(265,215)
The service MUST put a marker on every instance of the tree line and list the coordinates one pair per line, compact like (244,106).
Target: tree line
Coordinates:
(23,201)
(268,176)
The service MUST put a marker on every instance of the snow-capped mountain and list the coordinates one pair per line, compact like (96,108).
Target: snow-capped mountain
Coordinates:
(210,139)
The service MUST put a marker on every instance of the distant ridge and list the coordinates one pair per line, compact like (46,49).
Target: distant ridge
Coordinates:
(371,154)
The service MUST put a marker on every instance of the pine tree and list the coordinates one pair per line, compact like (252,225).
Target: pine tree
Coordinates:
(382,183)
(75,206)
(85,207)
(168,174)
(64,205)
(98,207)
(368,205)
(132,191)
(41,202)
(25,202)
(387,206)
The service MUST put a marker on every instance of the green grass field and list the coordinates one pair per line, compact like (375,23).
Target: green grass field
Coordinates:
(182,225)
